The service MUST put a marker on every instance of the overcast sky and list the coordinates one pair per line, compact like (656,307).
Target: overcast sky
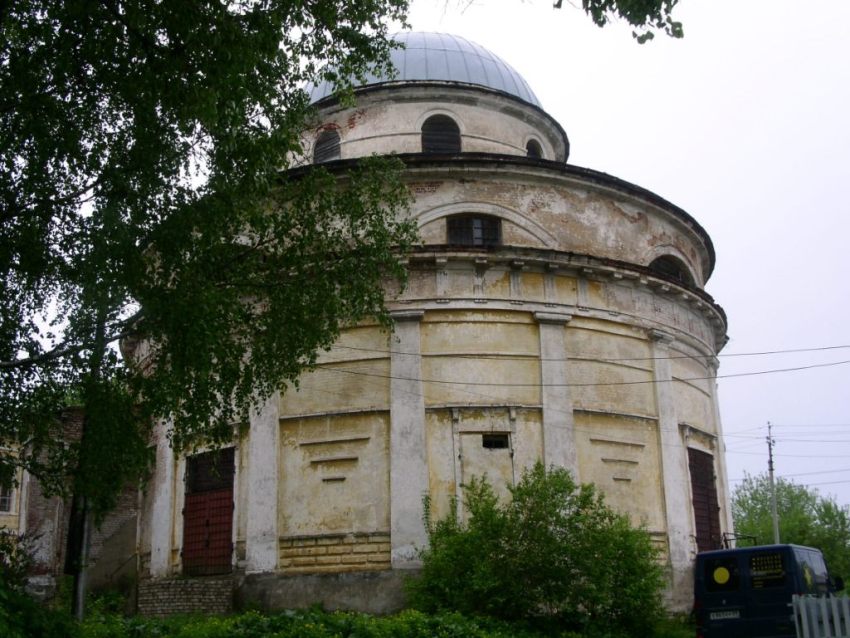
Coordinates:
(744,124)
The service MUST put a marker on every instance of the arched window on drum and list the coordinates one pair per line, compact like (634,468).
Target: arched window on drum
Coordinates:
(440,134)
(533,149)
(326,147)
(673,268)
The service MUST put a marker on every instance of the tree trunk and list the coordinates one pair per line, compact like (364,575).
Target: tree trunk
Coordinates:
(78,599)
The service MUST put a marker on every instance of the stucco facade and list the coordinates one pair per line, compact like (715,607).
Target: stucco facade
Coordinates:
(576,332)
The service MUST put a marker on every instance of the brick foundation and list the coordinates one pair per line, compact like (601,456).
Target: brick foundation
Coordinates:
(335,553)
(169,596)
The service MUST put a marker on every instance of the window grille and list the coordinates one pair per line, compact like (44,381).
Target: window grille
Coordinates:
(474,230)
(672,268)
(326,147)
(440,134)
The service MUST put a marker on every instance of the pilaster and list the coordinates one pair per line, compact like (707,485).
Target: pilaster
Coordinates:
(261,534)
(674,463)
(724,491)
(559,445)
(162,516)
(408,465)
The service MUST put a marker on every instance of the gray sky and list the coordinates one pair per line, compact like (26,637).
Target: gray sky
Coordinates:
(744,124)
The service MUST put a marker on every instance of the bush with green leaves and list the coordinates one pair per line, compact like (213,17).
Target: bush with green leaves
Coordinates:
(554,553)
(312,623)
(15,557)
(20,615)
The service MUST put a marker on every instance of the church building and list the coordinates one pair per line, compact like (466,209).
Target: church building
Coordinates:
(553,313)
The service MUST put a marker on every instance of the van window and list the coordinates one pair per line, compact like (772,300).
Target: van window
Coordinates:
(767,570)
(721,574)
(813,568)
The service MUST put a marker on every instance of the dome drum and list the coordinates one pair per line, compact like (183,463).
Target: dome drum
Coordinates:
(390,119)
(556,207)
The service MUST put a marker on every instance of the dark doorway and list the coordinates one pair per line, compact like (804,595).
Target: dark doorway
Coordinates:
(208,514)
(704,496)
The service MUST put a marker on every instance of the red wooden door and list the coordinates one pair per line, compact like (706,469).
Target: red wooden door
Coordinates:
(208,514)
(704,496)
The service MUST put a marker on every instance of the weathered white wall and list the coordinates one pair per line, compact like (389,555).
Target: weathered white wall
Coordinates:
(261,532)
(560,339)
(163,506)
(390,121)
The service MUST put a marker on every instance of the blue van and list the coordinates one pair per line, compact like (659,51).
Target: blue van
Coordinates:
(746,592)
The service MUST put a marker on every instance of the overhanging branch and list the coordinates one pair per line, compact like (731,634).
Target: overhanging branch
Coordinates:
(66,350)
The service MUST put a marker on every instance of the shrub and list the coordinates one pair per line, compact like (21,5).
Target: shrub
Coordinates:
(20,615)
(15,558)
(555,553)
(311,623)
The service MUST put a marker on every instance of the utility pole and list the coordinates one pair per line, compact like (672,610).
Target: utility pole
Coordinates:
(774,513)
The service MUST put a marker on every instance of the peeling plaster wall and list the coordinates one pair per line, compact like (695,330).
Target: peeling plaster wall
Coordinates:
(389,121)
(547,209)
(557,345)
(478,350)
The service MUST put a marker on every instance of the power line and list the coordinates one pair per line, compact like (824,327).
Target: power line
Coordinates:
(846,469)
(750,443)
(326,390)
(390,351)
(811,425)
(829,483)
(591,384)
(813,438)
(793,456)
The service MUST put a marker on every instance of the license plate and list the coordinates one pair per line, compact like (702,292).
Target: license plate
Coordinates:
(723,615)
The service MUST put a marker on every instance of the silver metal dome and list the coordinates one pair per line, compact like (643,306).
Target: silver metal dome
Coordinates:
(441,57)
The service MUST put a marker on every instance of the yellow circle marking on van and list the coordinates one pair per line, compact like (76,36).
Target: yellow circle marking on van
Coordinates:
(721,575)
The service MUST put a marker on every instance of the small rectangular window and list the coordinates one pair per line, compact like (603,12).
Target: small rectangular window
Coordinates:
(6,498)
(467,230)
(494,441)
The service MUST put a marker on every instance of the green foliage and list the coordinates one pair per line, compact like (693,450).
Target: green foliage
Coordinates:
(20,615)
(145,196)
(556,552)
(677,626)
(805,518)
(15,558)
(644,15)
(307,624)
(315,623)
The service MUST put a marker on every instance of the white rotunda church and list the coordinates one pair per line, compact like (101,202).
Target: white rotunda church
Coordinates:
(553,313)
